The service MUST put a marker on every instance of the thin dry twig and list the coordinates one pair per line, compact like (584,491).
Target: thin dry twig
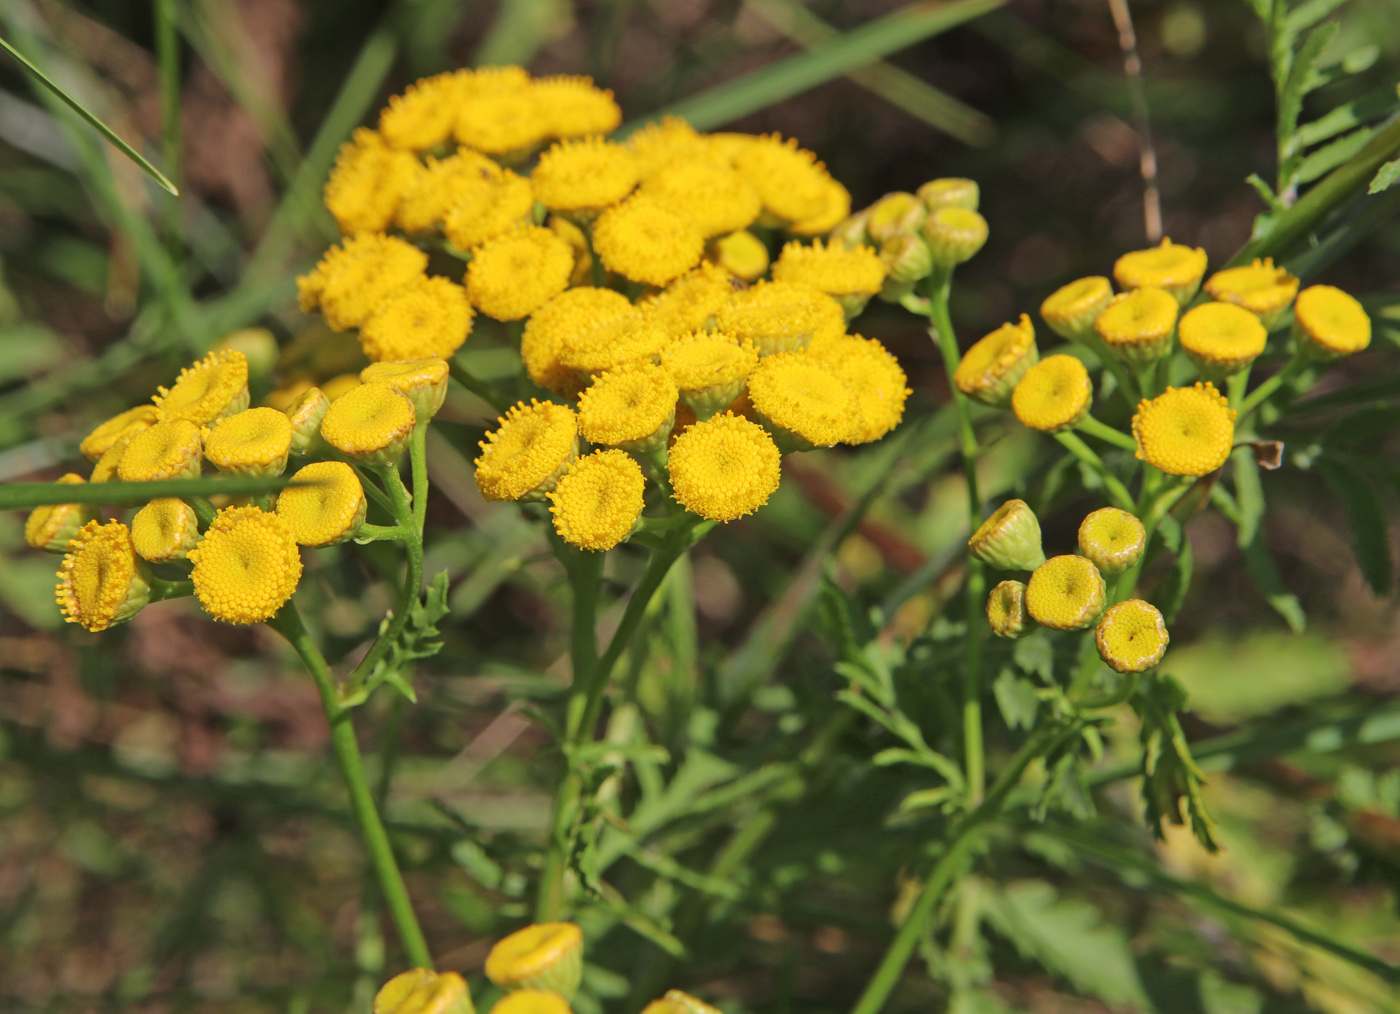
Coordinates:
(1147,152)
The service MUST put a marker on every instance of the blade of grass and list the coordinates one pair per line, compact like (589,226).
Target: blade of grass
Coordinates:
(92,120)
(856,48)
(168,61)
(28,495)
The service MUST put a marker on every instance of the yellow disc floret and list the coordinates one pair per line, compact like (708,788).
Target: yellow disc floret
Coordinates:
(50,526)
(1221,338)
(1185,430)
(598,501)
(246,566)
(1054,394)
(1006,610)
(690,302)
(1131,636)
(421,118)
(637,337)
(990,370)
(1113,539)
(212,388)
(574,106)
(789,180)
(713,197)
(573,312)
(100,581)
(165,529)
(803,398)
(127,424)
(353,278)
(659,144)
(253,442)
(423,991)
(513,275)
(1260,288)
(646,241)
(631,407)
(1065,593)
(1071,309)
(428,317)
(1177,269)
(874,376)
(1138,324)
(422,381)
(443,185)
(584,176)
(368,182)
(833,269)
(724,468)
(526,454)
(324,505)
(167,450)
(836,206)
(740,253)
(1328,323)
(500,116)
(370,423)
(709,369)
(481,213)
(543,956)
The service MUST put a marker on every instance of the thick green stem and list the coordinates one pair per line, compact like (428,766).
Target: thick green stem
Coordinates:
(346,748)
(418,471)
(1085,453)
(1106,433)
(162,589)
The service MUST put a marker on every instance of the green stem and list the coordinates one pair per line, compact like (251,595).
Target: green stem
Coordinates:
(1085,453)
(346,748)
(1261,393)
(1106,433)
(381,533)
(1236,387)
(162,589)
(418,471)
(486,392)
(168,59)
(203,510)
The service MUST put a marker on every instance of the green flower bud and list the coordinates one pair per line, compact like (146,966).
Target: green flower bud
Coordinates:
(1009,539)
(896,214)
(950,192)
(1113,539)
(954,235)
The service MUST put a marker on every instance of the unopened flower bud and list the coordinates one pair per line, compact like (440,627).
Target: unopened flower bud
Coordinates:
(676,1002)
(165,529)
(543,956)
(1009,539)
(1006,610)
(305,414)
(1071,309)
(1066,593)
(852,231)
(1131,636)
(258,346)
(740,253)
(896,214)
(51,526)
(906,258)
(1113,539)
(422,381)
(990,370)
(423,991)
(954,235)
(950,192)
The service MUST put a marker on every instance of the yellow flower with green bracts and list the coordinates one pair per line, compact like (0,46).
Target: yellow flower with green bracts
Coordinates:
(356,276)
(1328,323)
(1065,593)
(709,368)
(1006,610)
(724,467)
(805,403)
(369,180)
(575,311)
(1185,430)
(1113,539)
(1169,266)
(482,213)
(513,275)
(528,451)
(850,275)
(1258,287)
(873,376)
(954,234)
(1138,324)
(1072,309)
(545,956)
(990,370)
(597,502)
(1009,539)
(100,582)
(690,303)
(210,389)
(1131,636)
(422,381)
(125,424)
(306,414)
(1054,394)
(950,192)
(165,529)
(423,991)
(167,450)
(255,441)
(531,1001)
(51,526)
(631,407)
(328,509)
(584,176)
(1221,338)
(573,106)
(370,423)
(247,565)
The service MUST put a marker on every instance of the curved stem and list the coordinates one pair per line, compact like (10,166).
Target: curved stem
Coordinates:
(1106,433)
(346,748)
(1085,453)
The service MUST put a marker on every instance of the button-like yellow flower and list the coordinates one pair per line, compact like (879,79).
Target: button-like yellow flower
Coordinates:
(368,182)
(253,442)
(51,526)
(100,582)
(1329,324)
(584,176)
(352,279)
(724,467)
(428,317)
(165,529)
(1177,269)
(495,208)
(1054,394)
(573,312)
(306,414)
(773,327)
(657,145)
(210,389)
(1071,309)
(1185,430)
(543,956)
(1009,539)
(329,509)
(1260,288)
(531,1001)
(127,424)
(1138,324)
(713,197)
(804,402)
(525,455)
(167,450)
(990,370)
(1065,593)
(441,186)
(690,303)
(422,991)
(874,377)
(423,381)
(896,214)
(631,407)
(789,180)
(1113,539)
(851,276)
(950,192)
(106,468)
(422,117)
(710,369)
(676,1002)
(740,253)
(1221,338)
(500,117)
(1132,636)
(578,243)
(954,234)
(836,206)
(644,240)
(246,566)
(1006,610)
(370,423)
(513,275)
(636,338)
(575,107)
(598,501)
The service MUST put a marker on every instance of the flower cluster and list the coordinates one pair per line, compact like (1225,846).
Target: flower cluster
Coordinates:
(244,560)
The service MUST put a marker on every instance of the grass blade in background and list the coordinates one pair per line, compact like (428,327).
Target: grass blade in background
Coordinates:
(19,496)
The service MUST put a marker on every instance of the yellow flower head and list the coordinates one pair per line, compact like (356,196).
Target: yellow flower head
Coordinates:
(423,381)
(991,369)
(246,566)
(127,425)
(852,276)
(353,278)
(631,407)
(950,192)
(107,466)
(1138,324)
(1071,309)
(422,117)
(598,501)
(167,450)
(441,186)
(573,312)
(1328,323)
(1054,394)
(1113,539)
(500,117)
(1221,338)
(954,234)
(578,243)
(676,1002)
(804,401)
(1006,610)
(543,956)
(513,275)
(329,509)
(338,385)
(873,376)
(100,581)
(428,317)
(253,442)
(850,231)
(1177,269)
(724,467)
(837,205)
(368,182)
(1065,593)
(525,455)
(740,253)
(165,529)
(659,144)
(305,414)
(51,526)
(646,241)
(896,214)
(1131,636)
(709,368)
(497,207)
(690,302)
(1185,430)
(635,338)
(370,423)
(575,107)
(422,991)
(712,197)
(790,181)
(212,388)
(584,176)
(753,315)
(1009,539)
(1260,288)
(531,1001)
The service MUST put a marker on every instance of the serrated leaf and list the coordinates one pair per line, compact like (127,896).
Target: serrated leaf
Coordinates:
(1385,178)
(1307,14)
(1369,526)
(1347,116)
(1017,699)
(1034,655)
(1325,159)
(922,758)
(1302,78)
(1171,781)
(1264,191)
(418,639)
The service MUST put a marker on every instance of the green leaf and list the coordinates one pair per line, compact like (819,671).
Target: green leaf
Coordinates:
(1328,157)
(1302,78)
(418,639)
(19,496)
(1307,14)
(1259,564)
(1017,699)
(1264,191)
(1385,177)
(1171,781)
(1370,528)
(1346,117)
